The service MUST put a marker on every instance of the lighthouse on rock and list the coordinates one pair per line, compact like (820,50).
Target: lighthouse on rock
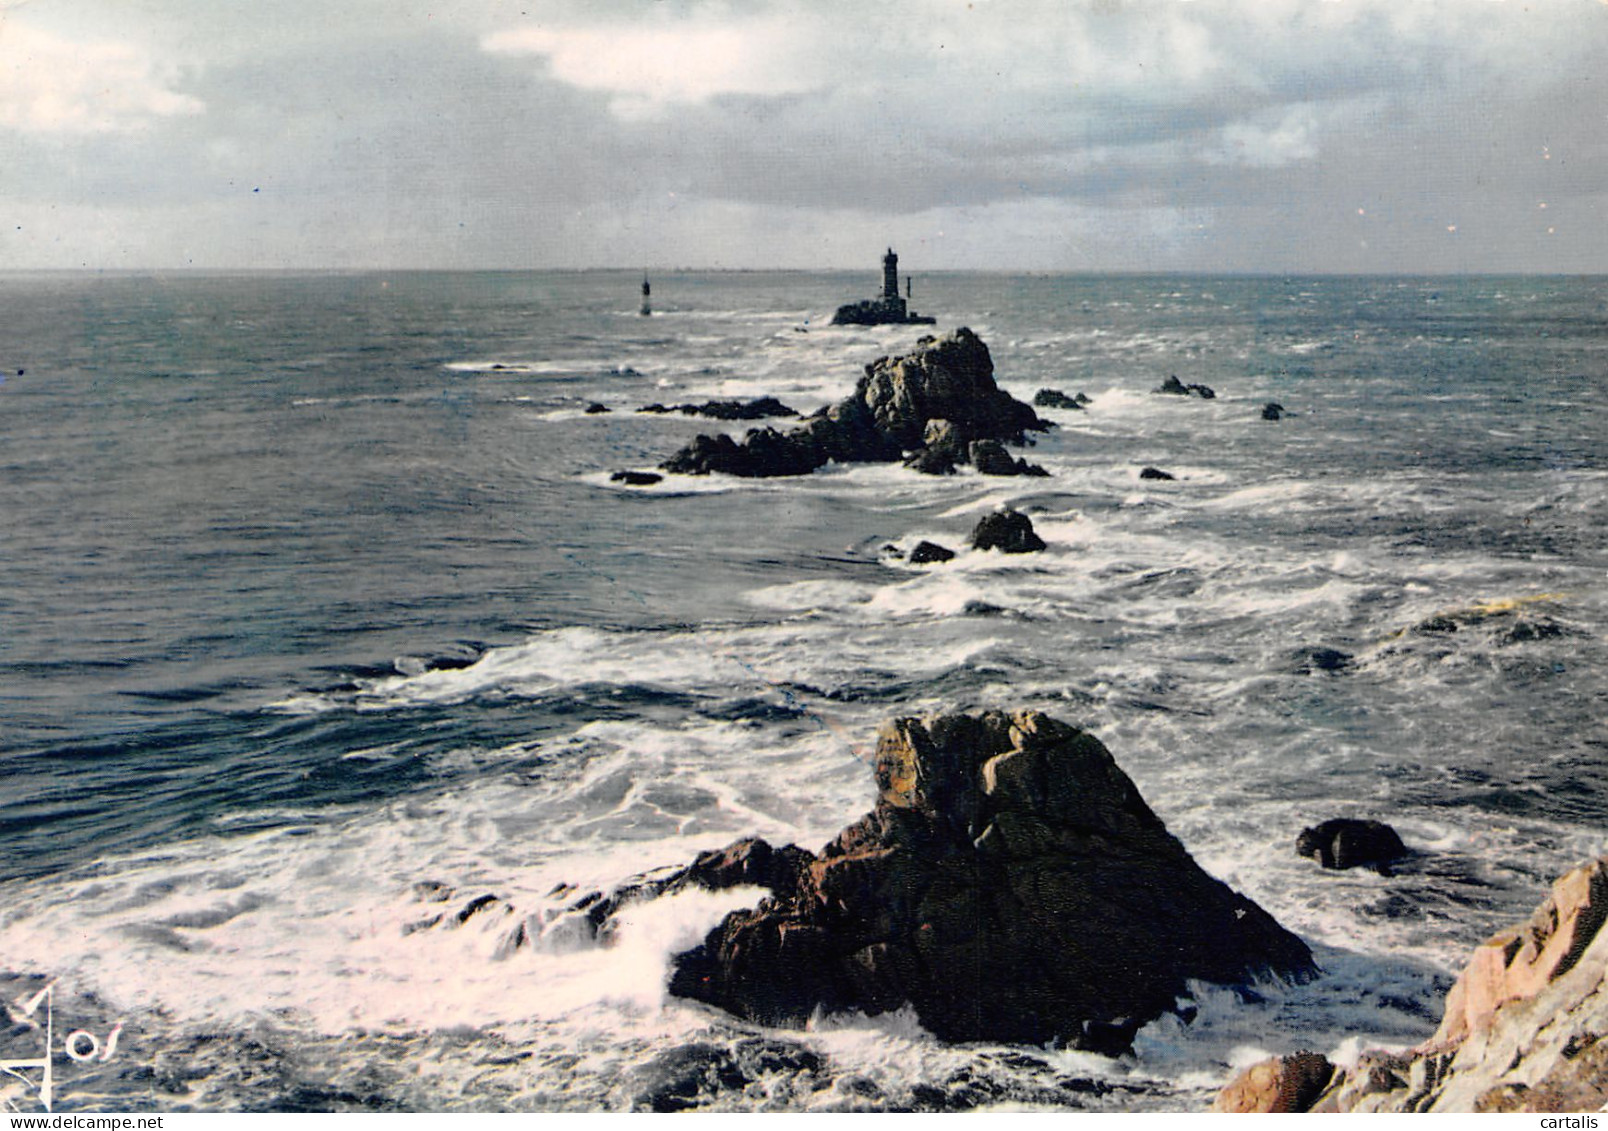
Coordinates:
(887,309)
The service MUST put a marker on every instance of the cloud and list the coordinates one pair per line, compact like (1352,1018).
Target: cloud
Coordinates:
(649,67)
(51,84)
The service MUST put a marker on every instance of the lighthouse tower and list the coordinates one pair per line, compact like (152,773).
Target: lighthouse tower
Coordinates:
(890,275)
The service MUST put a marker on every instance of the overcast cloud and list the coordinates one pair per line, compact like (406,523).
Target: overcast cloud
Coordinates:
(1213,135)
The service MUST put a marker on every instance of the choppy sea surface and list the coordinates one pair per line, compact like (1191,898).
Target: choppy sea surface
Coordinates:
(316,593)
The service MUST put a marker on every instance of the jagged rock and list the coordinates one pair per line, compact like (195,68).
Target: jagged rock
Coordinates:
(1156,473)
(636,478)
(950,378)
(1054,398)
(1174,387)
(1279,1084)
(990,458)
(655,408)
(1523,1025)
(1008,531)
(1010,884)
(595,409)
(1345,842)
(1273,411)
(928,552)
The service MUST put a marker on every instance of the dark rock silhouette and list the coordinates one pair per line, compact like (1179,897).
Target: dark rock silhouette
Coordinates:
(1011,885)
(1008,531)
(1345,842)
(1155,473)
(757,409)
(595,409)
(989,457)
(926,553)
(945,389)
(636,478)
(1273,411)
(1174,387)
(1054,398)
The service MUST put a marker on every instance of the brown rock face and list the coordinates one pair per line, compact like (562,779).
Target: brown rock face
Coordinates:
(1520,962)
(947,379)
(1278,1084)
(1523,1028)
(1010,884)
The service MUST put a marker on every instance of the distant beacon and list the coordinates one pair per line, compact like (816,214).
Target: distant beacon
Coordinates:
(886,310)
(646,309)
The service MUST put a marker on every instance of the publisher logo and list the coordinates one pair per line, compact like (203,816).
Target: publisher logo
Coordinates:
(37,1015)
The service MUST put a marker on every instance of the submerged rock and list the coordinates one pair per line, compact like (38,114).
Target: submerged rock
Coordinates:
(737,410)
(1008,531)
(596,409)
(1523,1026)
(1156,473)
(1345,842)
(1010,884)
(636,478)
(948,379)
(1273,411)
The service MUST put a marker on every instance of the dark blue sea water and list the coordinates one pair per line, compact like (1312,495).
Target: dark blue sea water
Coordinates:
(315,587)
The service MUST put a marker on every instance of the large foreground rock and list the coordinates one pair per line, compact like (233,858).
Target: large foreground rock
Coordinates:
(947,384)
(1010,884)
(1524,1025)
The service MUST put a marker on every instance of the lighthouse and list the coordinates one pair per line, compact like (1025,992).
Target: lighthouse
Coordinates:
(887,309)
(646,291)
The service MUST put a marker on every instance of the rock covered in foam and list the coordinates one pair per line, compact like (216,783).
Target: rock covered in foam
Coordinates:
(1008,531)
(1010,884)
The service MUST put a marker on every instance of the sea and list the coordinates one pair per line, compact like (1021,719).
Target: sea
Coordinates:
(321,617)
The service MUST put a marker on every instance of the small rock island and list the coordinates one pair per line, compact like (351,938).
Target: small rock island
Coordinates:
(888,309)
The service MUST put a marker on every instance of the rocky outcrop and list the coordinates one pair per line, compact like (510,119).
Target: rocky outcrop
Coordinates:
(1054,398)
(1172,386)
(757,409)
(1010,884)
(945,388)
(885,311)
(1523,1028)
(989,457)
(1008,531)
(1346,842)
(927,553)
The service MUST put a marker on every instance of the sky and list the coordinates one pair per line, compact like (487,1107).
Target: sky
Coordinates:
(1278,136)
